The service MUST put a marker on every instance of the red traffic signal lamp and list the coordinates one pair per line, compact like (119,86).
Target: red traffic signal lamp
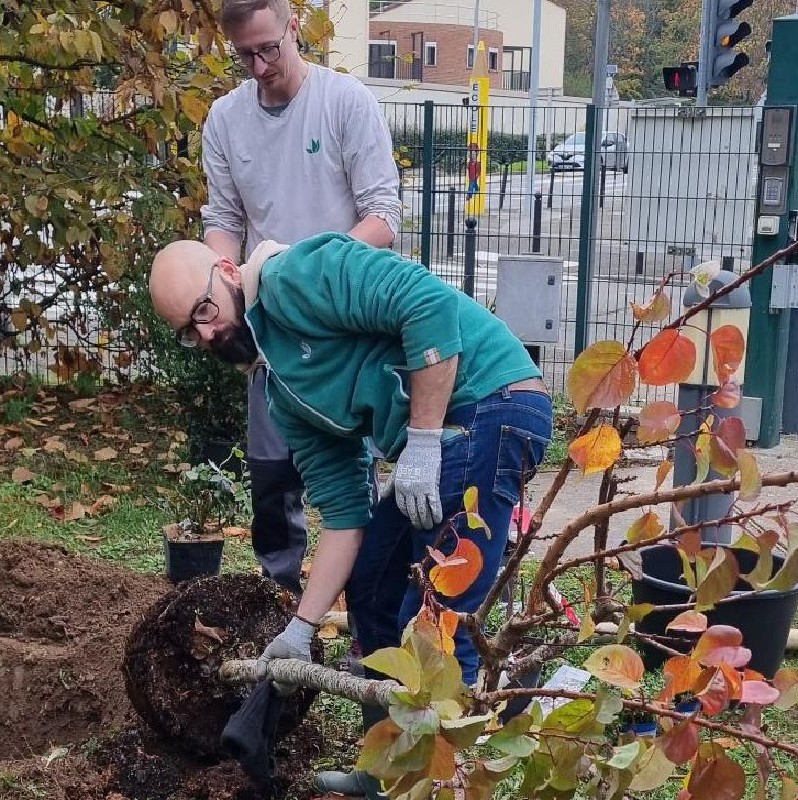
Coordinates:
(726,33)
(682,79)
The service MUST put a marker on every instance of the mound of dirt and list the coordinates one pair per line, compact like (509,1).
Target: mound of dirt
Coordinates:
(67,728)
(63,624)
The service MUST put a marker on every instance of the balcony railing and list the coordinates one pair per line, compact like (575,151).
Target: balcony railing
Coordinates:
(400,68)
(442,13)
(515,80)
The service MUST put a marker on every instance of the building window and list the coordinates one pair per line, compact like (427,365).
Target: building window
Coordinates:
(431,54)
(470,57)
(493,60)
(382,59)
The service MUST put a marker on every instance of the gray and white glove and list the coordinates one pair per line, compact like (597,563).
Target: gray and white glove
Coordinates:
(293,642)
(417,476)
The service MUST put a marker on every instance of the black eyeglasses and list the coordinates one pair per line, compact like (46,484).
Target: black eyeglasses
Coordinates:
(267,53)
(203,312)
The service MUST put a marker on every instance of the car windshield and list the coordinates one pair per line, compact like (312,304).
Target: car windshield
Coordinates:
(576,138)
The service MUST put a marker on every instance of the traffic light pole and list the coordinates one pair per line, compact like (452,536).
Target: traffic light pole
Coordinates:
(707,12)
(766,360)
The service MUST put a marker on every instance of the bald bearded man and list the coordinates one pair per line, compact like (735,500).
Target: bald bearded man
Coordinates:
(357,343)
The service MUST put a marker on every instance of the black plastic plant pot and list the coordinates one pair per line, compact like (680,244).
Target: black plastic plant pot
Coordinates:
(763,619)
(186,560)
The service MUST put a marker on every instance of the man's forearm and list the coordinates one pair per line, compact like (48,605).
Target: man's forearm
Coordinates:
(373,230)
(430,392)
(332,564)
(225,244)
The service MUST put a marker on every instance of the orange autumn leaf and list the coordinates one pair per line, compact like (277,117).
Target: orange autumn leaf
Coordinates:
(728,439)
(728,349)
(596,450)
(663,470)
(727,396)
(603,376)
(452,577)
(657,422)
(646,527)
(655,310)
(668,358)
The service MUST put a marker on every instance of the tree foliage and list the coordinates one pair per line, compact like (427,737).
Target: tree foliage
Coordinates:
(647,35)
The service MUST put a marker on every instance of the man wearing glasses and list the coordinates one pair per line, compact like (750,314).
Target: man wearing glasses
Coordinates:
(295,150)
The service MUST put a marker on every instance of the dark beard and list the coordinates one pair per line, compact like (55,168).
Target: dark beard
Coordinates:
(235,344)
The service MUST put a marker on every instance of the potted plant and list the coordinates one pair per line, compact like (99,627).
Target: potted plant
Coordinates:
(209,496)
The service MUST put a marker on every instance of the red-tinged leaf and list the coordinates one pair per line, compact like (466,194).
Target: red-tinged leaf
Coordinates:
(617,665)
(436,555)
(728,439)
(750,478)
(691,621)
(378,741)
(658,421)
(681,674)
(786,681)
(728,395)
(471,500)
(603,376)
(442,765)
(655,310)
(596,450)
(680,743)
(453,580)
(22,475)
(734,680)
(728,349)
(668,358)
(712,690)
(759,692)
(721,643)
(448,622)
(690,542)
(646,527)
(715,776)
(663,470)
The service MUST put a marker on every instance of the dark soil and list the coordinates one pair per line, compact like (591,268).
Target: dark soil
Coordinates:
(67,728)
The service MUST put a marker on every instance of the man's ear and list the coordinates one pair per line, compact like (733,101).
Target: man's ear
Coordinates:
(229,270)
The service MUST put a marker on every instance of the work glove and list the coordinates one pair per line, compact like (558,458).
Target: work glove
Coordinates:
(416,478)
(293,642)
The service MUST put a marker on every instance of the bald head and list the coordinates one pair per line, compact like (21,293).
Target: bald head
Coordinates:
(179,276)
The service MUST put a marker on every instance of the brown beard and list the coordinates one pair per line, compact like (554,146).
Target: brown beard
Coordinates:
(234,344)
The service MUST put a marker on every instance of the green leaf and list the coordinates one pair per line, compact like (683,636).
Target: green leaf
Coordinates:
(511,738)
(572,717)
(688,573)
(720,580)
(625,755)
(786,578)
(395,662)
(607,706)
(416,722)
(463,732)
(617,665)
(638,612)
(441,675)
(536,775)
(653,770)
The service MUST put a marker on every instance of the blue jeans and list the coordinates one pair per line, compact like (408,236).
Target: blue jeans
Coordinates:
(486,444)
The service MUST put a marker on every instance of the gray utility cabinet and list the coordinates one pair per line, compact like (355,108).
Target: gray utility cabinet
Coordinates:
(528,289)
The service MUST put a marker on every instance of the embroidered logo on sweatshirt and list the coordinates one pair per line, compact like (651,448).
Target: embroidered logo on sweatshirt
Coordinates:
(306,351)
(432,356)
(315,146)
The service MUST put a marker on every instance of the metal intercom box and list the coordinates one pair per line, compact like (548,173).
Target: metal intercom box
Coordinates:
(528,295)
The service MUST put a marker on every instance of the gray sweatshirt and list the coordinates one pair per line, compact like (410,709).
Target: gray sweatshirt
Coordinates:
(323,164)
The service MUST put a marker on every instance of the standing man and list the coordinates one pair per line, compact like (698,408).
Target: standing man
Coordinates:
(295,150)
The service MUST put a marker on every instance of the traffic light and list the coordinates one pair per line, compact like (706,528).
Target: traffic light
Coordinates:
(726,33)
(682,79)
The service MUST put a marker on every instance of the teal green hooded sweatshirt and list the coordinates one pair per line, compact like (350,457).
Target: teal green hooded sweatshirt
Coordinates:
(340,325)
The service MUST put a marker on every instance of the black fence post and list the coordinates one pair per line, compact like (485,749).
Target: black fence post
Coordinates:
(537,219)
(603,184)
(503,187)
(551,187)
(450,223)
(640,262)
(470,266)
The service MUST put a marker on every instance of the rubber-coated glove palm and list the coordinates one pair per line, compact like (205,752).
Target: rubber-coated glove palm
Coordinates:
(417,476)
(293,642)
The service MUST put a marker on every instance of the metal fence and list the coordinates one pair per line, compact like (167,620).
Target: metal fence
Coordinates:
(676,188)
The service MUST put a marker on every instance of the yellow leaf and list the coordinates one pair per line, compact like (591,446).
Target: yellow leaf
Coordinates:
(657,309)
(647,527)
(603,376)
(587,628)
(194,107)
(596,450)
(617,665)
(328,631)
(471,499)
(663,470)
(750,479)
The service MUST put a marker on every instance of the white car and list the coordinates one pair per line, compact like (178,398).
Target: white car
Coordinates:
(570,154)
